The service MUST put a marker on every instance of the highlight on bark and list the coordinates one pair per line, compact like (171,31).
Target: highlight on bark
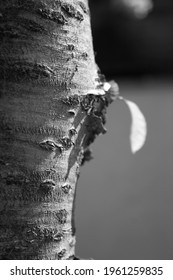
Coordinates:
(52,105)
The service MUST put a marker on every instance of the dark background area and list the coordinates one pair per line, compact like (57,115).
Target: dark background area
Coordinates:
(124,202)
(125,45)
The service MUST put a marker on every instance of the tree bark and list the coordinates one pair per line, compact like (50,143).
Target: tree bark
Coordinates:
(51,107)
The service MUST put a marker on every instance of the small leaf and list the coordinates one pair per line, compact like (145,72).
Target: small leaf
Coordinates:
(106,86)
(138,127)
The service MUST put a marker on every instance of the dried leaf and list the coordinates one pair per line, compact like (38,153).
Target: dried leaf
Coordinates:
(138,127)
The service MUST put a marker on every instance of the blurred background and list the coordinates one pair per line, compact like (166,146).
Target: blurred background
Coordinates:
(124,202)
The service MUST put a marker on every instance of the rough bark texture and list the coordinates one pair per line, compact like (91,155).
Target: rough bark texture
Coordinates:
(50,111)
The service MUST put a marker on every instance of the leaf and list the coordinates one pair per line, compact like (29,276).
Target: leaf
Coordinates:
(106,86)
(138,131)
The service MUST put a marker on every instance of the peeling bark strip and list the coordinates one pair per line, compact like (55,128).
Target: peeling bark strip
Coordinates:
(49,114)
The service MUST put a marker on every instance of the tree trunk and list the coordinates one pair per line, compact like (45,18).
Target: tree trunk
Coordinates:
(51,107)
